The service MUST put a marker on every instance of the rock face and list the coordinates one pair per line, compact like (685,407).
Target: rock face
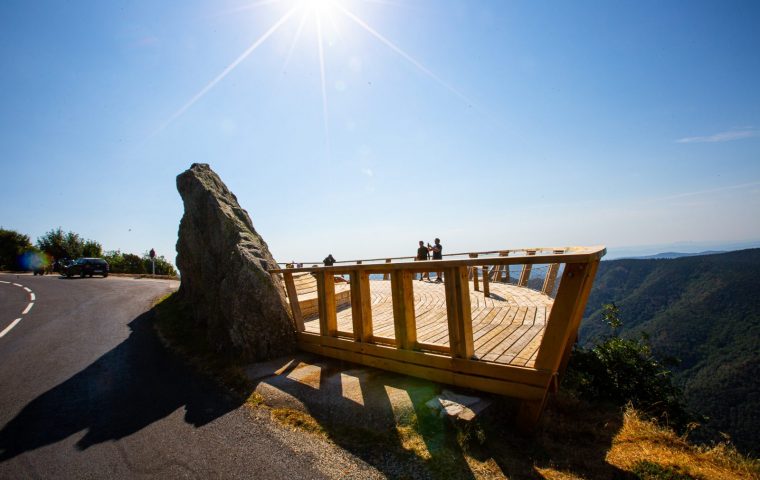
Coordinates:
(224,264)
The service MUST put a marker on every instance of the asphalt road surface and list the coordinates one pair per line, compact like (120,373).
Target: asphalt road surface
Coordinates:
(88,391)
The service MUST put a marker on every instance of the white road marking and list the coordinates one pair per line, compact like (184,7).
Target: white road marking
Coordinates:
(32,298)
(8,328)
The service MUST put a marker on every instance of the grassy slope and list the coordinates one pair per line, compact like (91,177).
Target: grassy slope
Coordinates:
(704,311)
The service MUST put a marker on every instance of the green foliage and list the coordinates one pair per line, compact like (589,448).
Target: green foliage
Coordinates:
(12,246)
(59,244)
(620,370)
(704,310)
(130,263)
(646,470)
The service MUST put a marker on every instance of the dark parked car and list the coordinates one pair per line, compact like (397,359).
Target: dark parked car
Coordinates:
(87,266)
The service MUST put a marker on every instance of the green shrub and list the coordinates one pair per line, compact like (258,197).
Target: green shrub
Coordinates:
(621,370)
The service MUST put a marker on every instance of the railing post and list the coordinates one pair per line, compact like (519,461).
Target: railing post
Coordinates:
(387,275)
(525,274)
(471,270)
(551,276)
(496,275)
(361,310)
(458,312)
(403,309)
(473,273)
(328,317)
(486,286)
(295,307)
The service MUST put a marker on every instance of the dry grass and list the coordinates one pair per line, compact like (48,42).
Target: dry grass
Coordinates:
(640,441)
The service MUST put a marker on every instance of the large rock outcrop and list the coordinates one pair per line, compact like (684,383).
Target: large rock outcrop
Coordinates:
(224,264)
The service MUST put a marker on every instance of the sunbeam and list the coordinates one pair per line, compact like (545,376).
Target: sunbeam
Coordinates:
(227,70)
(398,50)
(322,77)
(295,41)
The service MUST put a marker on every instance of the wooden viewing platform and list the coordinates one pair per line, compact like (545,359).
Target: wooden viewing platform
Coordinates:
(500,322)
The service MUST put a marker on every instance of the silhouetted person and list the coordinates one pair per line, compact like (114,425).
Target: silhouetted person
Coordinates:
(437,250)
(422,255)
(329,260)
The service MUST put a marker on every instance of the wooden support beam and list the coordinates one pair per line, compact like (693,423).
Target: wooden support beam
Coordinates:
(459,312)
(496,274)
(402,294)
(559,326)
(328,318)
(550,279)
(295,307)
(471,270)
(525,274)
(551,276)
(361,309)
(578,316)
(486,286)
(473,273)
(386,275)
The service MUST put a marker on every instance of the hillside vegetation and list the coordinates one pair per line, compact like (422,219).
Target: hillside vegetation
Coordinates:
(704,312)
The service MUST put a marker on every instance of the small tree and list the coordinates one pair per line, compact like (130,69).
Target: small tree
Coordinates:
(620,370)
(12,246)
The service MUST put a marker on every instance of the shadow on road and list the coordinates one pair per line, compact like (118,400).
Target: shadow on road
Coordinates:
(125,390)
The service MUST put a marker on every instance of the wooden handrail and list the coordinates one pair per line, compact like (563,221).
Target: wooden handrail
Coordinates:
(461,254)
(571,255)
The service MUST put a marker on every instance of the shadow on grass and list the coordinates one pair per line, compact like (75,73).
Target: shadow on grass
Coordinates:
(383,419)
(128,388)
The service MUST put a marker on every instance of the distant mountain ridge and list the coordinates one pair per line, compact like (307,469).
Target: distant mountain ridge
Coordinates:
(703,310)
(672,255)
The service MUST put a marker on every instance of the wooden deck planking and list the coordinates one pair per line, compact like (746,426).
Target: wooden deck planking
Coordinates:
(507,327)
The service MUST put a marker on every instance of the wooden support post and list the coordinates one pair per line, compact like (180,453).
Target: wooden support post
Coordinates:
(496,272)
(386,275)
(403,309)
(459,312)
(559,326)
(525,274)
(486,286)
(361,309)
(328,317)
(473,273)
(295,307)
(471,270)
(578,316)
(551,276)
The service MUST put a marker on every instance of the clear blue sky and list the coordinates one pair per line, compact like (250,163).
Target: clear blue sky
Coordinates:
(488,124)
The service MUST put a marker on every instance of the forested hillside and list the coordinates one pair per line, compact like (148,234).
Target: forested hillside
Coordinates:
(704,311)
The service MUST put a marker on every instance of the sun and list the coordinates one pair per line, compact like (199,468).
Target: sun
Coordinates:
(323,14)
(319,6)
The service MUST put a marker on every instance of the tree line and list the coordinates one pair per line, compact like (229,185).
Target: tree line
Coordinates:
(17,253)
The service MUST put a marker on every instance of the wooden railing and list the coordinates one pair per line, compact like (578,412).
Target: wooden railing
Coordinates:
(456,363)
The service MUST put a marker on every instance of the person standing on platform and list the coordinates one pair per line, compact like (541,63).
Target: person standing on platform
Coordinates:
(329,260)
(437,250)
(422,255)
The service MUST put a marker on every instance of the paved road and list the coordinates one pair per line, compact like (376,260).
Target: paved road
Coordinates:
(87,391)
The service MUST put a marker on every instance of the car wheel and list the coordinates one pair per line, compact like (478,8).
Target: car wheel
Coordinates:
(82,275)
(105,275)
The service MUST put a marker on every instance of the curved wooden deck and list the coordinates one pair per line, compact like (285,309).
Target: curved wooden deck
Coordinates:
(507,327)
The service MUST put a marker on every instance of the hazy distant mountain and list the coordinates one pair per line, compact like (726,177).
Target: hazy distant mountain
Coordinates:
(704,310)
(673,255)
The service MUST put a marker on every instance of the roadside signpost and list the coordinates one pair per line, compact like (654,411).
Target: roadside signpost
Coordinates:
(153,260)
